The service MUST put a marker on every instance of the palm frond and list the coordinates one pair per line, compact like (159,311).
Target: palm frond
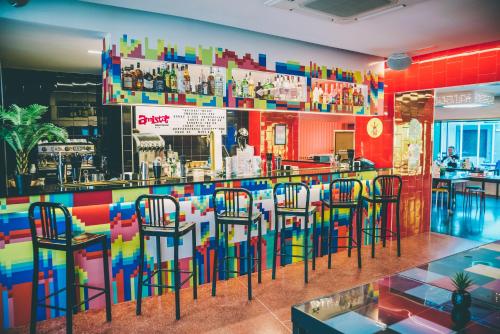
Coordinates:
(47,131)
(32,113)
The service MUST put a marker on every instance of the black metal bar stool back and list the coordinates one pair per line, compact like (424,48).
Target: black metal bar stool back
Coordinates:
(386,190)
(344,194)
(234,206)
(291,206)
(51,228)
(157,222)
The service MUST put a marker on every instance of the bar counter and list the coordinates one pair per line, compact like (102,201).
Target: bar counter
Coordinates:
(109,210)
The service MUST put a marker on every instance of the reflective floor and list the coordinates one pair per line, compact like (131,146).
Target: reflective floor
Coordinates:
(471,223)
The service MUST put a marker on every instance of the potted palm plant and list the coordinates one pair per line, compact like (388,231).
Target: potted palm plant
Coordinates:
(22,130)
(461,298)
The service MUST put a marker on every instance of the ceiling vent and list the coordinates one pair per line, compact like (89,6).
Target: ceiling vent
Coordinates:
(399,61)
(341,11)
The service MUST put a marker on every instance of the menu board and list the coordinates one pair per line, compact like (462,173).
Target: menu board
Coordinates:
(178,121)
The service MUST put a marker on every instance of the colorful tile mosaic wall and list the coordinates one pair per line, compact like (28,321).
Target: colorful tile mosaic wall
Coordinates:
(112,213)
(132,48)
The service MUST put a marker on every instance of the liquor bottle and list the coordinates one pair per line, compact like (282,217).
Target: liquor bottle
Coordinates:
(259,91)
(345,96)
(355,97)
(139,78)
(159,84)
(173,80)
(211,82)
(148,81)
(293,89)
(269,89)
(361,98)
(219,83)
(300,89)
(199,87)
(127,78)
(234,87)
(181,88)
(285,88)
(251,86)
(187,80)
(244,87)
(166,76)
(315,94)
(204,84)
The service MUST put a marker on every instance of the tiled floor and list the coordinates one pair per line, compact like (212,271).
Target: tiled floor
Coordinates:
(269,312)
(472,224)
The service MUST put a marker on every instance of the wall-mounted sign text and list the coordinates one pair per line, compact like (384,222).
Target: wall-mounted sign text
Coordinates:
(177,121)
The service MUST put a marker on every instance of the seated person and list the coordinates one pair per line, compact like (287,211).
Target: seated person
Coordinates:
(452,159)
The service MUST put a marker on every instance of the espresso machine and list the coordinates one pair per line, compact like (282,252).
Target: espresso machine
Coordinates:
(62,162)
(147,148)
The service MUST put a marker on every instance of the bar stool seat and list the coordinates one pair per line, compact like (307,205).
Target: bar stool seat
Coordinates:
(234,206)
(241,218)
(169,229)
(346,204)
(155,222)
(290,207)
(68,243)
(296,211)
(80,241)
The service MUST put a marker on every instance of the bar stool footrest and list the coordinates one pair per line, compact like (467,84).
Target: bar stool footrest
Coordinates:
(368,231)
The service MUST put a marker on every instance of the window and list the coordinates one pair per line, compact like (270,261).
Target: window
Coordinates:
(477,140)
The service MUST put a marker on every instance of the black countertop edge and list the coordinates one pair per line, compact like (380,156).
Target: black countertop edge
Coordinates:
(56,189)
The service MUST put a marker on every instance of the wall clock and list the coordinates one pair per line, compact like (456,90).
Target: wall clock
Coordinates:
(374,127)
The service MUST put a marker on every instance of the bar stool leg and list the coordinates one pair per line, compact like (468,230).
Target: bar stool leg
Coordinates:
(249,263)
(282,239)
(314,241)
(322,231)
(358,234)
(349,240)
(383,218)
(306,250)
(34,292)
(195,265)
(70,287)
(226,251)
(398,227)
(106,279)
(374,220)
(259,250)
(158,265)
(216,256)
(140,275)
(330,231)
(177,278)
(275,254)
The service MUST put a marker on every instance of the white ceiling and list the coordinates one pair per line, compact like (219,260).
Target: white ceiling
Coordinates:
(421,27)
(38,46)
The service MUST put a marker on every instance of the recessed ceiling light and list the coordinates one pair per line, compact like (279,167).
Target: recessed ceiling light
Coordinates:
(95,52)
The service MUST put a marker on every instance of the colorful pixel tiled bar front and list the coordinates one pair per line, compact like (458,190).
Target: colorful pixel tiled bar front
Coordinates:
(111,212)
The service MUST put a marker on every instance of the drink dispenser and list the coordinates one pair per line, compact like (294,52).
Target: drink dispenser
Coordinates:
(147,147)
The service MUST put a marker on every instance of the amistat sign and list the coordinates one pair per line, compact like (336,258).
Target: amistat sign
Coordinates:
(178,121)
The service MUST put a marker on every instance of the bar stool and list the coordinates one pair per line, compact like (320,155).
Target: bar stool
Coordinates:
(386,190)
(479,195)
(156,222)
(58,235)
(234,206)
(290,207)
(344,194)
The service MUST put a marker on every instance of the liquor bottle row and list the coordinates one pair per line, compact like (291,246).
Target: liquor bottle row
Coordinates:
(173,78)
(279,87)
(338,94)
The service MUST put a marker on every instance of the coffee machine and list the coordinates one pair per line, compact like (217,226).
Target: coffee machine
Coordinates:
(147,148)
(55,160)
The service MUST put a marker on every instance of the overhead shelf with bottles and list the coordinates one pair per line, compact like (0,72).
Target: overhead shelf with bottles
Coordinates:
(216,77)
